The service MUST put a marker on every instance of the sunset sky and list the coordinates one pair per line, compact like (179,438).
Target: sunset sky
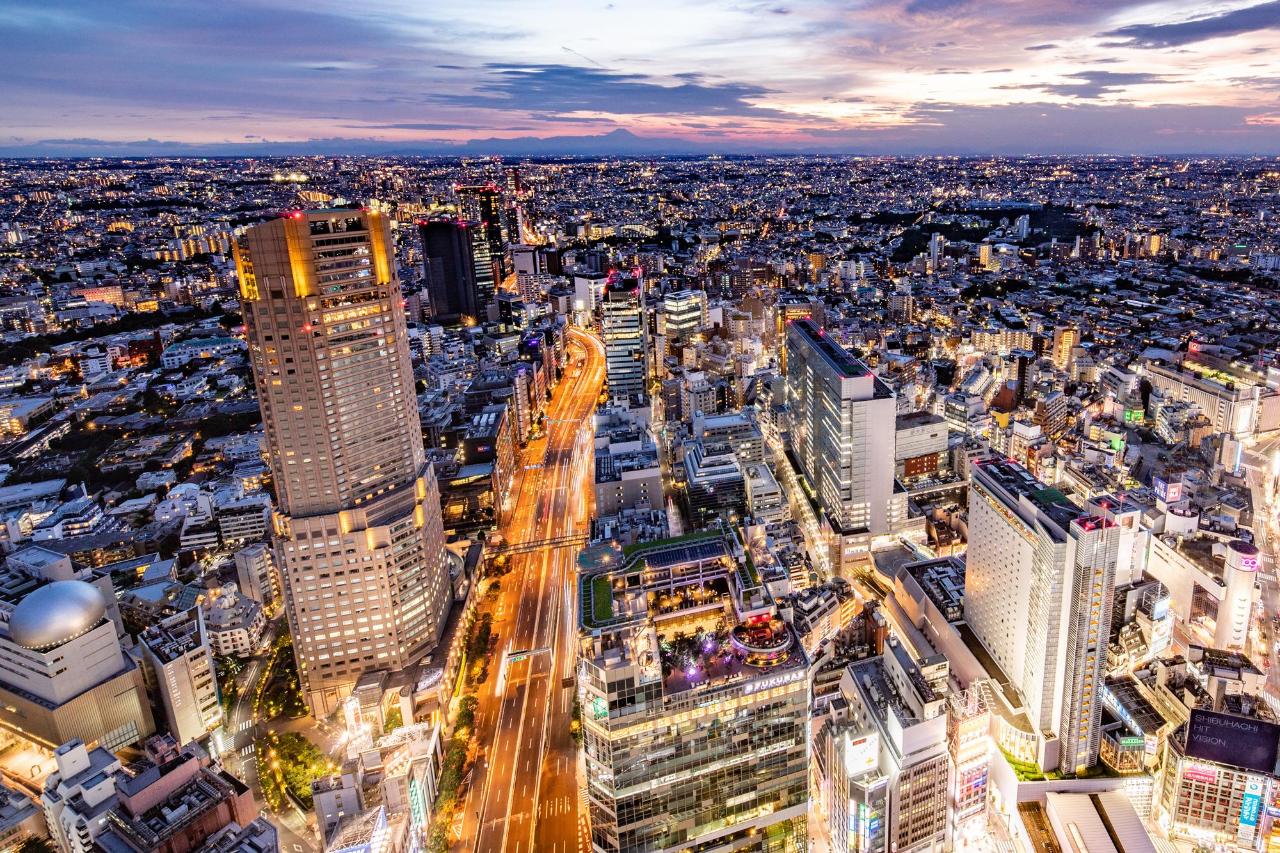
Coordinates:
(118,76)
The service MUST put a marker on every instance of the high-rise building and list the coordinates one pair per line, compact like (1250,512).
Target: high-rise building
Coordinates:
(483,204)
(1039,583)
(622,328)
(359,540)
(882,760)
(843,423)
(1065,339)
(256,573)
(178,664)
(458,268)
(937,249)
(684,314)
(695,716)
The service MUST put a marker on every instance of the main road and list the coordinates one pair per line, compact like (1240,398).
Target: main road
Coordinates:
(524,792)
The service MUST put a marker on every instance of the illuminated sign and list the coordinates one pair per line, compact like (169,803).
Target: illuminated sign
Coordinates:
(862,754)
(1233,740)
(1133,741)
(1251,803)
(771,682)
(1200,773)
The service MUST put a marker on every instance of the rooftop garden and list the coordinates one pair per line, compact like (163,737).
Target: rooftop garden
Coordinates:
(601,599)
(638,547)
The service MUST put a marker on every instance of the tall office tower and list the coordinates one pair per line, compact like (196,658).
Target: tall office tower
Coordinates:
(1065,339)
(622,328)
(937,249)
(513,211)
(358,538)
(483,204)
(695,719)
(1021,361)
(843,424)
(1039,583)
(514,185)
(684,314)
(458,267)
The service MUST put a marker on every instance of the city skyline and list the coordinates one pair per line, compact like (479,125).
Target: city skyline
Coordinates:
(907,76)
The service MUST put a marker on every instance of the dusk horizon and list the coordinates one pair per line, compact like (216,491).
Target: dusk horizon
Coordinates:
(900,76)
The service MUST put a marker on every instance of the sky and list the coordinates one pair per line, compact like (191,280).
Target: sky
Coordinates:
(733,76)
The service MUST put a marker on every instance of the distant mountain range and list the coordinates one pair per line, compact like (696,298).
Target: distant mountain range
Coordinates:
(615,143)
(618,142)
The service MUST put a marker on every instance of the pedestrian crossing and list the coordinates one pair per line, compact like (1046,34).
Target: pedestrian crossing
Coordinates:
(555,806)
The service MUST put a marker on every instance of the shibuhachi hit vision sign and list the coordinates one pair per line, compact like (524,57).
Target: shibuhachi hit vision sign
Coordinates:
(1232,740)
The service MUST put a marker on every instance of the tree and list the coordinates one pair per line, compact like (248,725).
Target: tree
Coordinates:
(34,844)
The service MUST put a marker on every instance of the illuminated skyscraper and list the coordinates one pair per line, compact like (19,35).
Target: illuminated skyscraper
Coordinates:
(483,204)
(622,328)
(359,540)
(684,314)
(458,267)
(1038,592)
(843,429)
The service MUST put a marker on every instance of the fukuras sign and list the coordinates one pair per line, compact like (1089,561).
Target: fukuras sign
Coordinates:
(1234,741)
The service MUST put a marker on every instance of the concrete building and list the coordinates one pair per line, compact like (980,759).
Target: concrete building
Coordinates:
(172,802)
(714,486)
(178,665)
(622,330)
(737,432)
(63,673)
(695,703)
(1231,401)
(628,474)
(234,622)
(1039,583)
(842,435)
(921,447)
(765,501)
(78,795)
(20,818)
(883,761)
(256,573)
(359,535)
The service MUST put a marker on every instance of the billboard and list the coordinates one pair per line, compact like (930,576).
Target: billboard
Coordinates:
(1233,741)
(1169,492)
(862,754)
(1251,804)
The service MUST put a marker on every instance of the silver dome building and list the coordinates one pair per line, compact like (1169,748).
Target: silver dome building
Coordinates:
(64,674)
(55,614)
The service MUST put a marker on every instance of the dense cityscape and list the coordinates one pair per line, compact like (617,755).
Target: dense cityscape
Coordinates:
(379,504)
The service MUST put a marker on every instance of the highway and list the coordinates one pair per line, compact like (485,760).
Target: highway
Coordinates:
(524,793)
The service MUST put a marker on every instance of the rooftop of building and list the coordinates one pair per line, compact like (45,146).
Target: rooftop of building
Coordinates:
(1019,483)
(912,420)
(1133,707)
(696,619)
(942,580)
(837,356)
(1222,663)
(172,638)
